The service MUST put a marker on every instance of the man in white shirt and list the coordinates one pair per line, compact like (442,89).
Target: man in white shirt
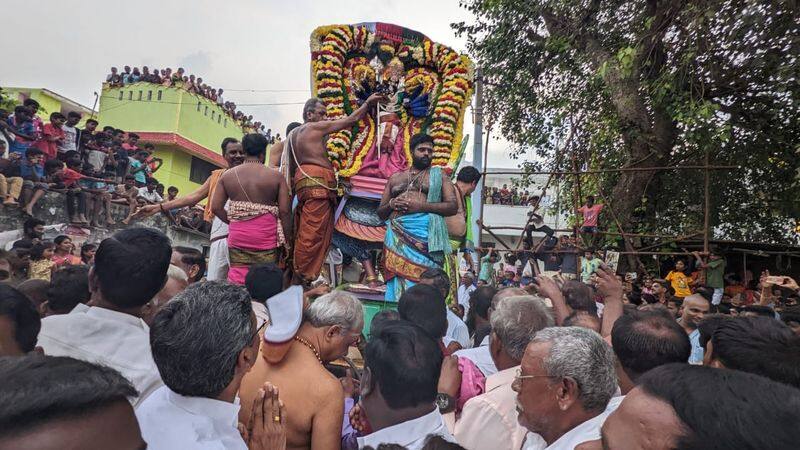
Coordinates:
(54,403)
(565,381)
(149,193)
(398,387)
(129,269)
(203,343)
(70,141)
(489,421)
(465,289)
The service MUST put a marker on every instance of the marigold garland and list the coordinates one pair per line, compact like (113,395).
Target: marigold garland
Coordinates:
(450,88)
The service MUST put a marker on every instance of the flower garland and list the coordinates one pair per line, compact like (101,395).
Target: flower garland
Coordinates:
(331,45)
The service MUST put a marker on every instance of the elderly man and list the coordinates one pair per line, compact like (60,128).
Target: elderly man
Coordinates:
(694,308)
(176,282)
(466,287)
(202,370)
(678,406)
(565,382)
(53,403)
(481,355)
(130,268)
(414,205)
(332,324)
(314,183)
(489,421)
(398,390)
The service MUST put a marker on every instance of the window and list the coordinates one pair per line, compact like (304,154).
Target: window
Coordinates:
(219,118)
(130,95)
(120,94)
(140,95)
(198,106)
(200,170)
(212,114)
(206,111)
(226,123)
(159,95)
(149,95)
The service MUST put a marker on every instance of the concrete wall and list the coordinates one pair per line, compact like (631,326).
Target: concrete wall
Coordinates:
(51,209)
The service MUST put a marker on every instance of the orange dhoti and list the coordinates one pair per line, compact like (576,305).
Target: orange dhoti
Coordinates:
(313,218)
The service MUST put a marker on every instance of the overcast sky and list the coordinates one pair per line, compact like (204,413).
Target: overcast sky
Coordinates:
(239,45)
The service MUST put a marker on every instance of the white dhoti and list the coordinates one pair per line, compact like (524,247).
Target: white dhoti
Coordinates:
(218,252)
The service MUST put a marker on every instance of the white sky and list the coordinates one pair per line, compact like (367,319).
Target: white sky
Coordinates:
(234,44)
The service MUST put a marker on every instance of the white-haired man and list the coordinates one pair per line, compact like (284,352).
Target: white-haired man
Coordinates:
(332,324)
(490,419)
(177,280)
(565,382)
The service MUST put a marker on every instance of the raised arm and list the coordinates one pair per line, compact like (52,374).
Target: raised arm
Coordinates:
(548,288)
(219,199)
(610,288)
(331,126)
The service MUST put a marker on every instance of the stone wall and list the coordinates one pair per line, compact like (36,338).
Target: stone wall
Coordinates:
(52,209)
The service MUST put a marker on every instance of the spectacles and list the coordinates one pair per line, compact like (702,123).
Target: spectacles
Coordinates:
(261,327)
(518,377)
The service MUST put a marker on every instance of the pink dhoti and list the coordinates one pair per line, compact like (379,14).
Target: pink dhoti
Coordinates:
(253,238)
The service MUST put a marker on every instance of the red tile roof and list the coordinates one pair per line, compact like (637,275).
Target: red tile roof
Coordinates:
(191,147)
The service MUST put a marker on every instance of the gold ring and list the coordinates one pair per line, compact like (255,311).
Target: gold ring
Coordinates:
(276,419)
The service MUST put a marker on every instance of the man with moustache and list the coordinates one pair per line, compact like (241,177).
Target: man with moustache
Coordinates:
(414,205)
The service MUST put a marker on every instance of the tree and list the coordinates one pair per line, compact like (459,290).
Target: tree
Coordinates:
(654,83)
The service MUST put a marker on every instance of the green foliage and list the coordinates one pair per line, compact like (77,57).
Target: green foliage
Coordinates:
(651,84)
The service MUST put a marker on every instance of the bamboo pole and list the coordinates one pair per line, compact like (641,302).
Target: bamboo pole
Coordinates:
(706,207)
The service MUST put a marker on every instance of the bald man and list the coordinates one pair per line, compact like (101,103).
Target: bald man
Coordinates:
(694,308)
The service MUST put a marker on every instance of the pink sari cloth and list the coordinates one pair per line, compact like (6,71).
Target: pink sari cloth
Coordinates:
(250,242)
(473,382)
(388,163)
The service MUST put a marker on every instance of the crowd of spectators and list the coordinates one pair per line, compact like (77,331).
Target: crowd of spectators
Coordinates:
(195,85)
(93,168)
(167,360)
(506,196)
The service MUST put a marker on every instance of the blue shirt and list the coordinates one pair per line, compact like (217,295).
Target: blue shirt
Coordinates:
(139,176)
(696,357)
(26,169)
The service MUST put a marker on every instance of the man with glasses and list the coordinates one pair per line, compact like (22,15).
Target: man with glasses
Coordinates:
(204,341)
(332,323)
(565,382)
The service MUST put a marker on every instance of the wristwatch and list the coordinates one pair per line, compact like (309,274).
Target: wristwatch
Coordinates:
(445,402)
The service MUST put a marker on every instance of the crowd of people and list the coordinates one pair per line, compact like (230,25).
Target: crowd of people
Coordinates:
(195,85)
(505,196)
(246,349)
(93,168)
(129,346)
